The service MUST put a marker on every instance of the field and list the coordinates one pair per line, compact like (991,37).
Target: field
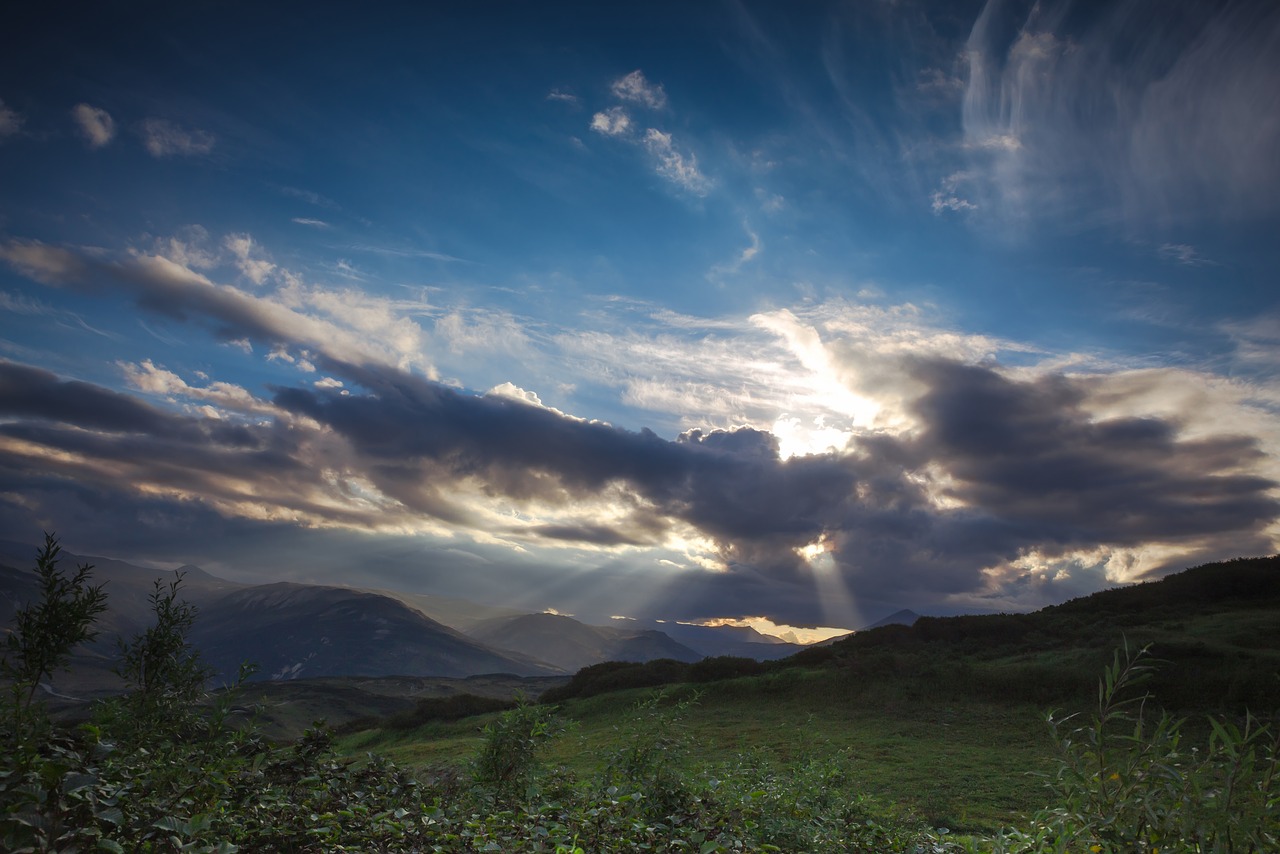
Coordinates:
(963,764)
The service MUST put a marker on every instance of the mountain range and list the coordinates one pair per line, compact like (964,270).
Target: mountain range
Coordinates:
(295,631)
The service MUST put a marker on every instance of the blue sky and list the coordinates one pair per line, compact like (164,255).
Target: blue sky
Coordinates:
(688,311)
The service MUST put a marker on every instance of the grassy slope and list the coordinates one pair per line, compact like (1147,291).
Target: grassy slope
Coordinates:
(961,764)
(946,717)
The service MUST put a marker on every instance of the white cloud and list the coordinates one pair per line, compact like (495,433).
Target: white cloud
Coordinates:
(328,382)
(673,165)
(348,326)
(146,376)
(248,258)
(190,247)
(611,122)
(564,97)
(636,89)
(163,138)
(96,125)
(947,198)
(10,121)
(311,223)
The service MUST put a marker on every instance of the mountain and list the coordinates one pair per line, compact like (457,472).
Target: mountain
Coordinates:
(297,630)
(460,614)
(737,641)
(128,588)
(905,617)
(572,645)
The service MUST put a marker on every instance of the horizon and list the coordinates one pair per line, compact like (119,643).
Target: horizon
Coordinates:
(728,312)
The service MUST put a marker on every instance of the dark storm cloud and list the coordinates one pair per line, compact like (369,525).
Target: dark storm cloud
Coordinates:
(601,535)
(731,485)
(76,432)
(37,393)
(1029,468)
(1024,463)
(1030,453)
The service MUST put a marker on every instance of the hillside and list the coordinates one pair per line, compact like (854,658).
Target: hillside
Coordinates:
(1216,628)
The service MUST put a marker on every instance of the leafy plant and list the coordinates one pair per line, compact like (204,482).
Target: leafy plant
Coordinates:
(508,759)
(46,631)
(1126,783)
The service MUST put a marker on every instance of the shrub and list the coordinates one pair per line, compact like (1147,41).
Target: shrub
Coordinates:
(508,759)
(1126,783)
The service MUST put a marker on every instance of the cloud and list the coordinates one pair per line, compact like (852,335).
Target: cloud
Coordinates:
(935,82)
(310,223)
(403,252)
(747,255)
(1100,117)
(563,97)
(931,475)
(10,121)
(95,124)
(611,122)
(1181,253)
(309,197)
(946,197)
(255,269)
(342,326)
(999,471)
(637,90)
(228,397)
(163,138)
(676,167)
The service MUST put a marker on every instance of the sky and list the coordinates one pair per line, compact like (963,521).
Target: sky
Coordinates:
(689,311)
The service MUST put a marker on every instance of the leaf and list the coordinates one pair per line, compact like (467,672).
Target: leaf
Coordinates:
(111,815)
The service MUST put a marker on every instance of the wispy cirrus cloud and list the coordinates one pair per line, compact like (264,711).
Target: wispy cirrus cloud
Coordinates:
(163,138)
(676,166)
(947,196)
(1184,254)
(95,124)
(1104,118)
(310,197)
(563,97)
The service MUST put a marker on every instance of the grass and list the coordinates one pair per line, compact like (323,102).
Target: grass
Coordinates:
(961,764)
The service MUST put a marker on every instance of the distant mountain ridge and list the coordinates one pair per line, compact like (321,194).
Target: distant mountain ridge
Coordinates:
(296,630)
(573,645)
(293,631)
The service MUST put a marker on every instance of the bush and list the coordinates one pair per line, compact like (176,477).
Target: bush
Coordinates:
(1126,783)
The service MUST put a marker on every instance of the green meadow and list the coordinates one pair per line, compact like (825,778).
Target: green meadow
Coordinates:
(1139,719)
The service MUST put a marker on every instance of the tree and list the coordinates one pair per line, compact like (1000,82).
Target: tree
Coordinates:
(163,669)
(46,631)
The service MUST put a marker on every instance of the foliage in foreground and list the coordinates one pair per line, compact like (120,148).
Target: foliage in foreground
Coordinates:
(160,770)
(1125,782)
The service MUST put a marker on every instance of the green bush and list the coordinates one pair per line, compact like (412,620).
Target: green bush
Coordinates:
(1126,781)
